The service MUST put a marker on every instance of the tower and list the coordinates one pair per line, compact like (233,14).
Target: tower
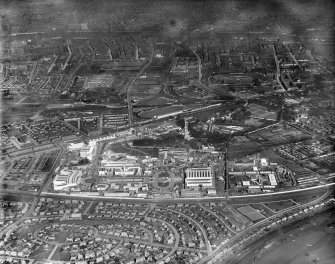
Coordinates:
(186,131)
(110,54)
(136,53)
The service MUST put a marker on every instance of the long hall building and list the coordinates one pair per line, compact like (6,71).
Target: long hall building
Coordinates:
(199,176)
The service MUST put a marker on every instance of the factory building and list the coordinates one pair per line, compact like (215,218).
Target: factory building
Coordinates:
(199,176)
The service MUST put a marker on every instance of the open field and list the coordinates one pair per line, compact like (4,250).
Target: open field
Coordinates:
(280,205)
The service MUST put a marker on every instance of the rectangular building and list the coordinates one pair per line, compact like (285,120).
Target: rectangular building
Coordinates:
(272,179)
(199,176)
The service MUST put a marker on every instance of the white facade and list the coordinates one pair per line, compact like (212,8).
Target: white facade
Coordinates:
(87,152)
(199,176)
(66,179)
(76,146)
(122,168)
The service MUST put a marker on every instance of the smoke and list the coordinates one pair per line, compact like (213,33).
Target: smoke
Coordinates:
(316,20)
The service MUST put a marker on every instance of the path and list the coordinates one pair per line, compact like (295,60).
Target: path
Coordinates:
(52,253)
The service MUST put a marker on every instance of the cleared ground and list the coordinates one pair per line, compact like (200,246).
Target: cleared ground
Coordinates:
(161,111)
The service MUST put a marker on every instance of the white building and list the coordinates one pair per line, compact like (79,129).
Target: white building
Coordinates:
(264,162)
(87,151)
(66,179)
(122,167)
(75,146)
(272,179)
(199,176)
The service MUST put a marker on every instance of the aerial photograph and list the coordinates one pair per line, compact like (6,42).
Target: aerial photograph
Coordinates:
(167,131)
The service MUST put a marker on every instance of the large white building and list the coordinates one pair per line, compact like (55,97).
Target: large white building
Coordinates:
(119,168)
(76,146)
(199,176)
(87,151)
(67,178)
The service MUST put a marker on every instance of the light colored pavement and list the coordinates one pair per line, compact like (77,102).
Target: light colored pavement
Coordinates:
(233,199)
(200,200)
(52,252)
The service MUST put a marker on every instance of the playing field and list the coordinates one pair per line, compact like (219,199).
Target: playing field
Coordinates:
(251,213)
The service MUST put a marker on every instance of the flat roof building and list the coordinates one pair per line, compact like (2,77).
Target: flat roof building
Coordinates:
(67,179)
(199,176)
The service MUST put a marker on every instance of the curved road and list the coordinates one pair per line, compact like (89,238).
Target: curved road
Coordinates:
(260,223)
(203,231)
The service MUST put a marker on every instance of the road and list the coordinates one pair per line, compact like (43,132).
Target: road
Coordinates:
(130,86)
(292,56)
(20,220)
(243,199)
(69,81)
(176,244)
(48,177)
(218,217)
(82,135)
(200,73)
(52,253)
(278,73)
(200,227)
(320,192)
(251,229)
(93,169)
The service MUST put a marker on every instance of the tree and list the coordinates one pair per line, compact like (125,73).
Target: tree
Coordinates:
(84,161)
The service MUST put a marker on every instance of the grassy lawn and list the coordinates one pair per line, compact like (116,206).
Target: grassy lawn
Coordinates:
(41,253)
(61,256)
(263,210)
(280,205)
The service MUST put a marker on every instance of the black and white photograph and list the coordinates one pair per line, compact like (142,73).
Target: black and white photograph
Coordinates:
(167,132)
